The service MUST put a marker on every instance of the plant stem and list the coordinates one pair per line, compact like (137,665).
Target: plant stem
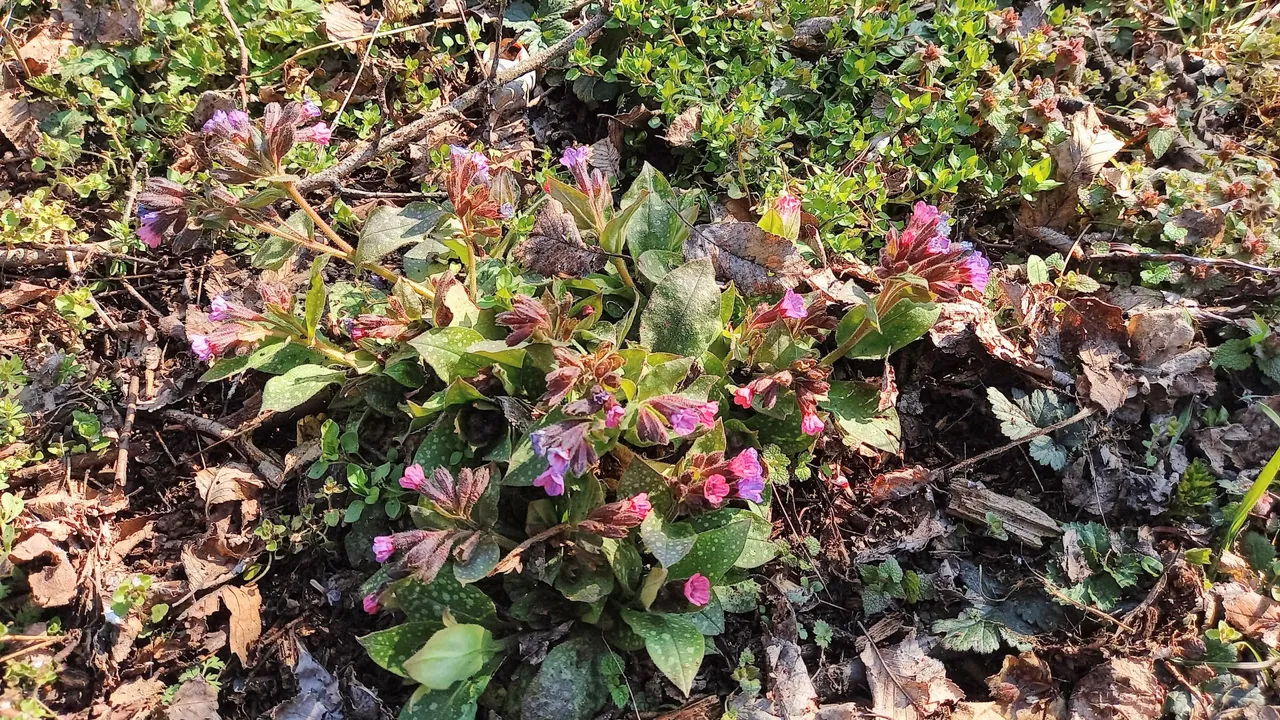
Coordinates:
(293,237)
(471,270)
(621,266)
(513,558)
(320,223)
(887,298)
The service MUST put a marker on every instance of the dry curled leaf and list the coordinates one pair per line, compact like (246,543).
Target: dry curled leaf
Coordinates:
(1078,160)
(905,683)
(1253,614)
(759,263)
(1024,689)
(342,23)
(55,584)
(196,699)
(1119,689)
(230,483)
(555,248)
(685,126)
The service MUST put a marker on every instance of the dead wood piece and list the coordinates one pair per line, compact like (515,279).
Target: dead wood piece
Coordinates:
(58,468)
(418,129)
(266,466)
(972,501)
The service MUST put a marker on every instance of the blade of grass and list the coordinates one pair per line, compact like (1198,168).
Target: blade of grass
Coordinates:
(1251,498)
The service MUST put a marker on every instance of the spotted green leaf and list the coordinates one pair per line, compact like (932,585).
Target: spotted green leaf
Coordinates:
(674,643)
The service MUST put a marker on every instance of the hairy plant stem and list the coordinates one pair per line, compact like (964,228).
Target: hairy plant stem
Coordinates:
(890,297)
(320,223)
(323,348)
(621,266)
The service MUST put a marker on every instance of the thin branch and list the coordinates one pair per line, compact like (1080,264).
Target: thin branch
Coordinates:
(359,71)
(244,53)
(416,130)
(1039,432)
(263,463)
(131,412)
(1186,260)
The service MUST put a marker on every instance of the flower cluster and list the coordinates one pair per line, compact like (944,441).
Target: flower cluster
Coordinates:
(924,248)
(615,519)
(594,370)
(567,447)
(800,318)
(679,414)
(592,182)
(248,151)
(474,193)
(541,320)
(167,209)
(707,480)
(452,497)
(392,326)
(807,377)
(235,326)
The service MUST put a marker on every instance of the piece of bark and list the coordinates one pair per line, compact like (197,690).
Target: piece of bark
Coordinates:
(972,501)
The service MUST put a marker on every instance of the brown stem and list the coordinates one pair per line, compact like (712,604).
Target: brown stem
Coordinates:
(320,223)
(512,560)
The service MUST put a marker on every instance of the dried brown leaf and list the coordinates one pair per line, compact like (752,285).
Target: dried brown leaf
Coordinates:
(1102,381)
(907,684)
(961,315)
(605,157)
(105,22)
(1025,690)
(1159,335)
(135,698)
(685,125)
(342,23)
(17,122)
(1119,689)
(230,483)
(245,606)
(55,584)
(43,49)
(1251,613)
(196,699)
(1078,159)
(555,248)
(205,566)
(757,262)
(897,484)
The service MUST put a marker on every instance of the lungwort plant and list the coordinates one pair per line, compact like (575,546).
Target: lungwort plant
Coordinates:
(588,406)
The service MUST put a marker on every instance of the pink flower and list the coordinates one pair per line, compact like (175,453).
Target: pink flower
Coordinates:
(811,424)
(414,478)
(147,231)
(613,416)
(792,306)
(715,490)
(684,422)
(746,465)
(371,604)
(697,590)
(383,548)
(552,479)
(320,134)
(788,205)
(471,166)
(976,270)
(641,506)
(201,347)
(751,489)
(744,396)
(219,309)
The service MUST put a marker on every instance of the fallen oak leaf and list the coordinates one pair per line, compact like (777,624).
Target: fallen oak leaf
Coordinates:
(1078,159)
(244,605)
(757,262)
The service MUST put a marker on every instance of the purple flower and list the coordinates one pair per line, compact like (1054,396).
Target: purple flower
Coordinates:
(371,604)
(472,166)
(697,589)
(750,489)
(792,306)
(575,158)
(976,270)
(311,109)
(320,134)
(746,466)
(202,348)
(613,416)
(507,210)
(414,478)
(552,479)
(147,231)
(234,124)
(684,422)
(383,548)
(220,309)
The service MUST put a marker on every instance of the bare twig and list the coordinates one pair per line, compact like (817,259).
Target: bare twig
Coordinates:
(15,258)
(497,38)
(29,649)
(131,412)
(138,296)
(267,466)
(416,130)
(1185,260)
(964,464)
(244,53)
(359,71)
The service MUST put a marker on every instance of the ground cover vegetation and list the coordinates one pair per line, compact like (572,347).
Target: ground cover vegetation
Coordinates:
(662,359)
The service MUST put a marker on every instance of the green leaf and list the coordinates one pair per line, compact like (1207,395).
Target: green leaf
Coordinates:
(483,559)
(391,647)
(1046,451)
(674,644)
(1014,422)
(615,230)
(625,561)
(1037,270)
(1232,355)
(568,685)
(854,406)
(714,552)
(656,223)
(426,602)
(586,585)
(298,385)
(453,654)
(281,357)
(656,264)
(316,295)
(669,543)
(573,200)
(1160,140)
(443,348)
(709,619)
(456,703)
(388,229)
(642,477)
(683,314)
(904,323)
(225,368)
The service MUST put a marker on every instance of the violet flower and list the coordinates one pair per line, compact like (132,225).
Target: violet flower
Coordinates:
(147,231)
(566,447)
(746,465)
(201,347)
(613,416)
(311,110)
(230,125)
(924,248)
(792,306)
(751,489)
(683,415)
